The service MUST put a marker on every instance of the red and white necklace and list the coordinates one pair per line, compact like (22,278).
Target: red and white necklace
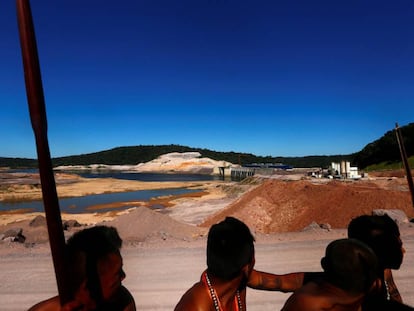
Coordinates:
(216,301)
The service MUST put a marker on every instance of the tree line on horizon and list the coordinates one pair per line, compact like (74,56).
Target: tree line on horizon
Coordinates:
(383,150)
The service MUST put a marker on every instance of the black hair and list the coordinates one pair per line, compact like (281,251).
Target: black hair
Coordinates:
(230,246)
(381,233)
(83,250)
(350,265)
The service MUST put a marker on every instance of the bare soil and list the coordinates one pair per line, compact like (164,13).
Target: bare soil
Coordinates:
(287,206)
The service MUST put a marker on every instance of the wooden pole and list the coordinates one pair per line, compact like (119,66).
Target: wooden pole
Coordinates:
(405,161)
(35,98)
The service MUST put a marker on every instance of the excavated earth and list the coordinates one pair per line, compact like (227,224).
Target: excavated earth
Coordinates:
(287,206)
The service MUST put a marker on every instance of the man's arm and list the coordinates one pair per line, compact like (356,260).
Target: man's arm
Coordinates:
(275,282)
(280,282)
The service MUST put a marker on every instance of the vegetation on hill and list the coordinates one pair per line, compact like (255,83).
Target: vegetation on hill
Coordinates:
(18,162)
(385,166)
(144,153)
(139,154)
(383,153)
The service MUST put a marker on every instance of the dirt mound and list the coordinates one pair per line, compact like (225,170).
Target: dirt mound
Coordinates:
(286,206)
(142,224)
(137,225)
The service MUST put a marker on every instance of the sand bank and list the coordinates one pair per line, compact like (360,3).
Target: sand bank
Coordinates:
(74,186)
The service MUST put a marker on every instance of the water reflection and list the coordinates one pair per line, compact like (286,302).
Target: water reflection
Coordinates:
(80,204)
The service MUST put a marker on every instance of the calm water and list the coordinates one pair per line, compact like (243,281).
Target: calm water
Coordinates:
(81,204)
(148,176)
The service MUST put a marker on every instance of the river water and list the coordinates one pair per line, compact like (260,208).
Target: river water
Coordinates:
(81,204)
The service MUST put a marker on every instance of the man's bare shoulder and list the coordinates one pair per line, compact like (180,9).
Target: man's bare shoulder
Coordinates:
(304,301)
(309,297)
(52,304)
(196,298)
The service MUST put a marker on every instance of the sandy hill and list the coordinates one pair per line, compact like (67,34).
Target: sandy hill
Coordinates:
(175,162)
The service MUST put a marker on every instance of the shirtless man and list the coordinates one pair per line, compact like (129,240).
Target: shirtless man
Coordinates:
(95,266)
(230,260)
(382,235)
(350,272)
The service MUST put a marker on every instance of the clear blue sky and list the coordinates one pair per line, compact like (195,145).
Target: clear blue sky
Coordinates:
(279,78)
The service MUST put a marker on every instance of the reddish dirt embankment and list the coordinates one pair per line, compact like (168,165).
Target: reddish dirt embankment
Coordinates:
(285,206)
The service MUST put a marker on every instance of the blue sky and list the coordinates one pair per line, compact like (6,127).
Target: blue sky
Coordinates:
(278,78)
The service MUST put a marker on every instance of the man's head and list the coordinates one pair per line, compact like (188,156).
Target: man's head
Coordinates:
(230,247)
(94,260)
(381,233)
(350,265)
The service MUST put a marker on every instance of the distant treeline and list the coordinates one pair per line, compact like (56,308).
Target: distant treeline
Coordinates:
(144,153)
(385,149)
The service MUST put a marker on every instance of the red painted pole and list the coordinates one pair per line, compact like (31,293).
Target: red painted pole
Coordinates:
(35,98)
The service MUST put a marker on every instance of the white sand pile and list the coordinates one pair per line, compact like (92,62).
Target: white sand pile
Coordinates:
(174,162)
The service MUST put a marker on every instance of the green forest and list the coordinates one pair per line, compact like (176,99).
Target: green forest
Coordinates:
(380,154)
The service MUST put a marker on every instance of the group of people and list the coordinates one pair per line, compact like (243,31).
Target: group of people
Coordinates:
(356,272)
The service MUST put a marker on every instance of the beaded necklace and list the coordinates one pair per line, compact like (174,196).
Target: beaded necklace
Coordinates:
(387,290)
(216,301)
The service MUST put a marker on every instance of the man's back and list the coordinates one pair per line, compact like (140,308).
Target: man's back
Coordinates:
(322,296)
(350,272)
(196,298)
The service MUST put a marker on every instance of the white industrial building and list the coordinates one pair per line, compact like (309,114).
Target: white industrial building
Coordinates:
(344,170)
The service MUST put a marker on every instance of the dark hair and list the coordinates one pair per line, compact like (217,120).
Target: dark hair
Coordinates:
(83,250)
(381,233)
(230,246)
(350,265)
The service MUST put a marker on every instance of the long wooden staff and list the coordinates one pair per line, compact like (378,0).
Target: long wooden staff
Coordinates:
(35,98)
(405,161)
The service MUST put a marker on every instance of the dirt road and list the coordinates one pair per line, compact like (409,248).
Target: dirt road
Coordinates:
(158,274)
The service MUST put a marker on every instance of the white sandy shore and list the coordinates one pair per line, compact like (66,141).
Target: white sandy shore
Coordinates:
(159,273)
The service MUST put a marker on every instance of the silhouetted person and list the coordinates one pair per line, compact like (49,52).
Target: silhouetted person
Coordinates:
(96,274)
(230,259)
(382,234)
(350,272)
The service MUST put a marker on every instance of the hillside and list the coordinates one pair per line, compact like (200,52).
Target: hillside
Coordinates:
(386,149)
(383,150)
(134,155)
